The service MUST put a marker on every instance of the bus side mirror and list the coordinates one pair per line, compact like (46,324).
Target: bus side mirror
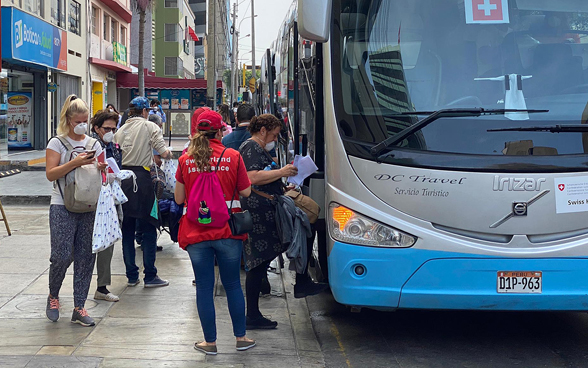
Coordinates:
(314,19)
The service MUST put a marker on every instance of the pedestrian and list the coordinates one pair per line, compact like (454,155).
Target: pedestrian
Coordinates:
(71,233)
(113,109)
(155,118)
(234,114)
(224,111)
(103,129)
(264,243)
(137,138)
(240,134)
(203,244)
(156,109)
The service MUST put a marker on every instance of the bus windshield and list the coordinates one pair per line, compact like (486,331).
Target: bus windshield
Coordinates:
(396,56)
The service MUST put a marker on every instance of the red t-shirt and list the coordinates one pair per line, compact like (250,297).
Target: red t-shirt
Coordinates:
(190,232)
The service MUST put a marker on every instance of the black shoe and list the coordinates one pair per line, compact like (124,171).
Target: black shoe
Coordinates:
(159,248)
(305,289)
(260,323)
(266,288)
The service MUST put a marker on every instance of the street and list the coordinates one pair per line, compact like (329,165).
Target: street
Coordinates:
(448,338)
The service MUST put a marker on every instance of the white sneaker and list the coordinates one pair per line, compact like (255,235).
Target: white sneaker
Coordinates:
(110,297)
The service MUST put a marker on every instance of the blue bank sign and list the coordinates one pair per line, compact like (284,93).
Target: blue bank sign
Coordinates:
(33,40)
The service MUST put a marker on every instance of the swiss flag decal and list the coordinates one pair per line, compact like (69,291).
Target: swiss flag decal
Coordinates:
(561,187)
(486,11)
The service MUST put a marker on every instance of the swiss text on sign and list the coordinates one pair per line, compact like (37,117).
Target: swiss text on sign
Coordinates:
(571,194)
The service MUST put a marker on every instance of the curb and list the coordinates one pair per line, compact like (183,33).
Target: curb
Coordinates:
(27,200)
(307,345)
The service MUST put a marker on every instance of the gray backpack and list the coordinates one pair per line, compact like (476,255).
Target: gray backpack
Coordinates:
(82,185)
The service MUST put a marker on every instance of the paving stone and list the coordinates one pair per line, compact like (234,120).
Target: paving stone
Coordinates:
(23,265)
(14,361)
(143,363)
(40,332)
(164,308)
(19,350)
(157,352)
(63,350)
(44,361)
(13,284)
(179,287)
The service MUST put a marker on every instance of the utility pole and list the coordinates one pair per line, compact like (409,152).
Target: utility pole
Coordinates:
(211,55)
(253,69)
(234,60)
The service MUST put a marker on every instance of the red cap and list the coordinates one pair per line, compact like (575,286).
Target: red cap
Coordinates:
(210,120)
(194,120)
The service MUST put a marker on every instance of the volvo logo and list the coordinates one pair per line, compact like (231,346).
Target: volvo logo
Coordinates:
(519,209)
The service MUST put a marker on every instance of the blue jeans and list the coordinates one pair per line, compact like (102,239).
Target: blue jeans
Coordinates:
(228,256)
(149,248)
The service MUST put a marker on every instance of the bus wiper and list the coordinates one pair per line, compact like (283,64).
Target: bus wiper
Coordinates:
(572,128)
(434,115)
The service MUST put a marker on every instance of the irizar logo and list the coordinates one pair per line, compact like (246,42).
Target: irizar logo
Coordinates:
(517,184)
(18,36)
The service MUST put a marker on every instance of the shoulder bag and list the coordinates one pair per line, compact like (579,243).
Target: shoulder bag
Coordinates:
(239,222)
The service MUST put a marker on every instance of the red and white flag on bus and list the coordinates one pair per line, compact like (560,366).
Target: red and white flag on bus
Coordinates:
(486,11)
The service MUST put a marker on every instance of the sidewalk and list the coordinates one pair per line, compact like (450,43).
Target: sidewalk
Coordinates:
(146,328)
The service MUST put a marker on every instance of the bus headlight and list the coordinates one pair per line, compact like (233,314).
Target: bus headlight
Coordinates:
(350,227)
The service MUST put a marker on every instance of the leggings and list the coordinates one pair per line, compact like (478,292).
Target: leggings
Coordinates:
(71,240)
(253,288)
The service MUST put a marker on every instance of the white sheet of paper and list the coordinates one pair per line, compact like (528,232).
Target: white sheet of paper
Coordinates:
(306,167)
(112,165)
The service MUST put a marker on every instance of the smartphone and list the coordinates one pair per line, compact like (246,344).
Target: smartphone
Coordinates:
(90,154)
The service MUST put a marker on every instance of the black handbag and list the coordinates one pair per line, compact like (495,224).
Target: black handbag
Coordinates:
(239,222)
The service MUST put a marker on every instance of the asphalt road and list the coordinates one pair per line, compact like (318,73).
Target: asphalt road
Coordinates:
(448,338)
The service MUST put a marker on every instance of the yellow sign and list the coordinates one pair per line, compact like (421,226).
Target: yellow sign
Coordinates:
(252,85)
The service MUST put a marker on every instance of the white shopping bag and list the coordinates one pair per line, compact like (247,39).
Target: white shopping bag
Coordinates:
(118,194)
(106,224)
(169,168)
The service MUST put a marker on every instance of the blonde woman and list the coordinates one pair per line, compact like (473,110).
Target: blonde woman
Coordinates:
(71,233)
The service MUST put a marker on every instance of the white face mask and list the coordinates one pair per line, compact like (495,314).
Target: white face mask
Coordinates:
(111,110)
(81,128)
(108,137)
(270,146)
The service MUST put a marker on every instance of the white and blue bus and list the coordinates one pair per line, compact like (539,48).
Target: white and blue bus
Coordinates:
(451,138)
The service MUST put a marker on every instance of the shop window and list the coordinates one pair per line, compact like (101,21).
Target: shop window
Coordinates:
(123,35)
(58,13)
(96,21)
(35,7)
(171,3)
(74,17)
(171,32)
(113,30)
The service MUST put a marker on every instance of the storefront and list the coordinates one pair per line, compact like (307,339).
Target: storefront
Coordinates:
(178,97)
(30,48)
(103,72)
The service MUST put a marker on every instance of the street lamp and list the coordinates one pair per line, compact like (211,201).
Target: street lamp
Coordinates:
(249,35)
(249,17)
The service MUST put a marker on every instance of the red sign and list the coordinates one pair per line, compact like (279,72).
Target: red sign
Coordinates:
(486,11)
(561,187)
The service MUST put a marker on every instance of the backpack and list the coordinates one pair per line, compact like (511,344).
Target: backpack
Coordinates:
(82,185)
(206,204)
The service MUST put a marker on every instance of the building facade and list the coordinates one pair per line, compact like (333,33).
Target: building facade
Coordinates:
(109,37)
(44,59)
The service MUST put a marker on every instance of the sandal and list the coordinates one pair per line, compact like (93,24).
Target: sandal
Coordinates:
(245,344)
(201,346)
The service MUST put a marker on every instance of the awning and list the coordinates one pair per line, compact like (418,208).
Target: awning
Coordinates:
(128,80)
(111,65)
(193,34)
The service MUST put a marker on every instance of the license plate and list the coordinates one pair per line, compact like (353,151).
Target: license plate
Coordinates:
(519,282)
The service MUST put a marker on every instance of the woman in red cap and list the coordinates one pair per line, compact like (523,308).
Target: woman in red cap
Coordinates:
(204,243)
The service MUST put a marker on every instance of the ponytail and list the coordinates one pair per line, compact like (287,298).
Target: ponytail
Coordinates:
(200,150)
(72,106)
